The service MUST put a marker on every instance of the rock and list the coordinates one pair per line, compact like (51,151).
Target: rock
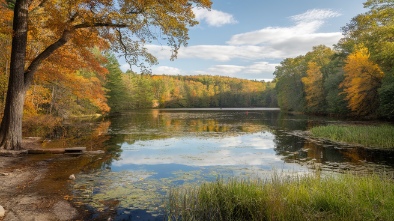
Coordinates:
(71,177)
(4,174)
(2,211)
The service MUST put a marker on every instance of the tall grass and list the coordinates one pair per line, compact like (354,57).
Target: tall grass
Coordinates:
(344,197)
(381,136)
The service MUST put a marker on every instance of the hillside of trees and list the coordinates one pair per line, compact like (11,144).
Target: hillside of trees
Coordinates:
(356,78)
(134,91)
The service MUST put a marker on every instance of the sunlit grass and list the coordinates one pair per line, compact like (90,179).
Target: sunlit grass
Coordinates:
(381,136)
(343,197)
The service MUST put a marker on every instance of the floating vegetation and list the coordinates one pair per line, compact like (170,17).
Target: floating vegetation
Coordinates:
(106,190)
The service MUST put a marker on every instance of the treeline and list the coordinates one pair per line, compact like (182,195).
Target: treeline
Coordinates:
(62,90)
(356,78)
(134,91)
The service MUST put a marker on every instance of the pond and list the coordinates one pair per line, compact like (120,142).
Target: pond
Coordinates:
(153,151)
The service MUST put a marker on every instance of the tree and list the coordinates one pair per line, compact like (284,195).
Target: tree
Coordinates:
(117,92)
(386,95)
(313,85)
(374,29)
(126,25)
(318,70)
(335,97)
(362,80)
(142,93)
(289,86)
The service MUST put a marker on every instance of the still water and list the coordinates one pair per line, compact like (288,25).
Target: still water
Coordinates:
(152,151)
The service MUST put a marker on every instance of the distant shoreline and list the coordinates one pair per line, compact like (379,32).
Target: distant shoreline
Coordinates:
(225,109)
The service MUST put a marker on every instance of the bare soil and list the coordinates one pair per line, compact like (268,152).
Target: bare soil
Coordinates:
(36,187)
(23,192)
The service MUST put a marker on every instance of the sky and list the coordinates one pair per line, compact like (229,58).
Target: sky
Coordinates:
(248,38)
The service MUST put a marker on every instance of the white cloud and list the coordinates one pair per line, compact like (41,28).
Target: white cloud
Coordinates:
(259,67)
(315,14)
(166,70)
(269,42)
(125,67)
(253,47)
(302,35)
(216,52)
(214,17)
(229,70)
(257,70)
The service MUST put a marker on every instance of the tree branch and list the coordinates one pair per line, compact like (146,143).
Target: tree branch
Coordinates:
(100,24)
(43,55)
(60,42)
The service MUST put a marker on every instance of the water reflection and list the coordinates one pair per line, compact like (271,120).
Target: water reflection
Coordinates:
(154,150)
(249,149)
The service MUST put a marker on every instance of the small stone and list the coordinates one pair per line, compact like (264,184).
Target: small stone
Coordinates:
(5,174)
(71,177)
(2,211)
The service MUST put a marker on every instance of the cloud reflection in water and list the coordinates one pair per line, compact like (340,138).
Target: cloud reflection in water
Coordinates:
(255,149)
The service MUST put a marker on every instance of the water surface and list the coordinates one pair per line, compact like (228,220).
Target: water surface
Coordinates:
(155,150)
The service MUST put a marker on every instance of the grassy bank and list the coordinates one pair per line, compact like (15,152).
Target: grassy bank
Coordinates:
(381,136)
(347,197)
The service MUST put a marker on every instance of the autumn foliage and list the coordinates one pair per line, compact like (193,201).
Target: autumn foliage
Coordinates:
(313,85)
(363,77)
(354,79)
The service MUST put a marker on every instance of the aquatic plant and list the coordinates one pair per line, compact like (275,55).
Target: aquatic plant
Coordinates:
(339,197)
(377,136)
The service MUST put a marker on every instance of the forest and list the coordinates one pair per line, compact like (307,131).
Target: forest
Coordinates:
(135,91)
(106,89)
(354,79)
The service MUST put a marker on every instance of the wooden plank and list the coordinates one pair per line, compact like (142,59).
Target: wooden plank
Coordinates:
(47,151)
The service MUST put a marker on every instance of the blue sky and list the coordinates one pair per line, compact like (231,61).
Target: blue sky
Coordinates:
(247,39)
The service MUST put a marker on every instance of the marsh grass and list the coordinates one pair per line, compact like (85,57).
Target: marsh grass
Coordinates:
(381,136)
(343,197)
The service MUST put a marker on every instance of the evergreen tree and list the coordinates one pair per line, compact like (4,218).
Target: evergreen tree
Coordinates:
(116,89)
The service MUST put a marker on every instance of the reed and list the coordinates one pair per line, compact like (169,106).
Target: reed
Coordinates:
(381,136)
(340,197)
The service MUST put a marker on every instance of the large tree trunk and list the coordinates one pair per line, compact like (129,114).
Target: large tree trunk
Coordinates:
(11,125)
